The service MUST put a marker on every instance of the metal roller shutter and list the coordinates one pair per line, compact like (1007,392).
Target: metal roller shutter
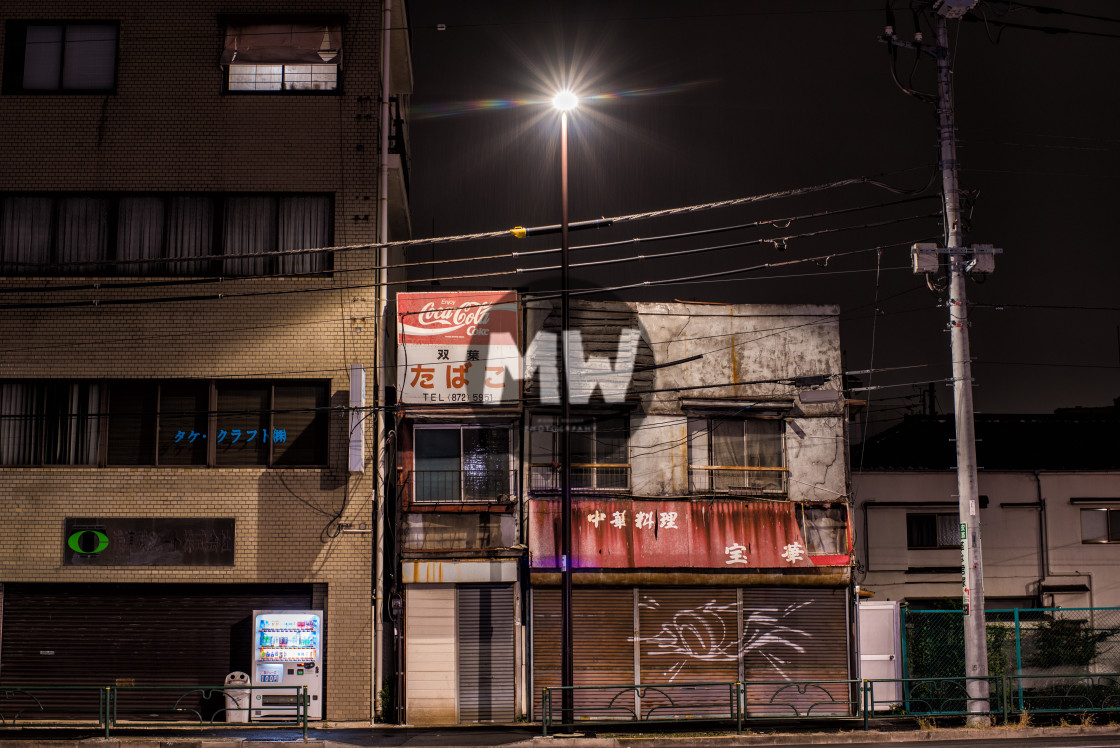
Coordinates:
(795,634)
(134,634)
(688,635)
(486,643)
(603,646)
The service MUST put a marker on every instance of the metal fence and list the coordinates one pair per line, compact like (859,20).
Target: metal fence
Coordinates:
(108,707)
(1033,642)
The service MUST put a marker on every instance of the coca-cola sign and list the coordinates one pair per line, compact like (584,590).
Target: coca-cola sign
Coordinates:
(434,319)
(458,347)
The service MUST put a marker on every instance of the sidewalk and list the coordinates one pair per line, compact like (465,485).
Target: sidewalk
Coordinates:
(525,736)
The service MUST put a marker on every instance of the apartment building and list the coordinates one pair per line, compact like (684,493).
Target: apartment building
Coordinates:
(178,348)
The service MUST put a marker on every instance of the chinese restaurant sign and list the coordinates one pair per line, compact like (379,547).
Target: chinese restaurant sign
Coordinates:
(148,541)
(621,534)
(458,347)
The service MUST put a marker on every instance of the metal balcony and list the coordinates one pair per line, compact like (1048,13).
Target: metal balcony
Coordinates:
(768,482)
(586,478)
(462,486)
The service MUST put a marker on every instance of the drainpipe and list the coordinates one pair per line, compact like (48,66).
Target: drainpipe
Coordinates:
(381,445)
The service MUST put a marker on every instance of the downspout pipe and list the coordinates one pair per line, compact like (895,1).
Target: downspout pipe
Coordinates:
(381,445)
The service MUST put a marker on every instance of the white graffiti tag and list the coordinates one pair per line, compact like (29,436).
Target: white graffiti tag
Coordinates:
(707,633)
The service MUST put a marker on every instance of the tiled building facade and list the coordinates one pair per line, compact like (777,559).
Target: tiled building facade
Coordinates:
(158,161)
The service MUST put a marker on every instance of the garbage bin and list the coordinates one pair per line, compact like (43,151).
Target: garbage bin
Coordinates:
(237,699)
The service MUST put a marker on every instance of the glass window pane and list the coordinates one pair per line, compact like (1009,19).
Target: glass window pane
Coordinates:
(42,58)
(486,469)
(70,423)
(921,531)
(300,424)
(190,233)
(25,233)
(243,418)
(305,223)
(132,423)
(140,222)
(948,531)
(183,417)
(1114,525)
(436,455)
(90,57)
(612,440)
(19,422)
(256,77)
(83,230)
(826,528)
(250,228)
(1094,524)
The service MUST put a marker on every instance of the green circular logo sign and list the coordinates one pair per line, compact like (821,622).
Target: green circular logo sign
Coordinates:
(75,541)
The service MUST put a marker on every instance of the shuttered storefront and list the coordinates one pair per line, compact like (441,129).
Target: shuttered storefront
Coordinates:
(459,653)
(486,644)
(680,635)
(430,661)
(136,634)
(688,635)
(790,635)
(603,644)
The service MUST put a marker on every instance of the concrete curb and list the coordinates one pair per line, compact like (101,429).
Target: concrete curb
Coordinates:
(730,740)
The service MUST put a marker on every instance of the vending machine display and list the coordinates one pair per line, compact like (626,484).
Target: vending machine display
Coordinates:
(287,651)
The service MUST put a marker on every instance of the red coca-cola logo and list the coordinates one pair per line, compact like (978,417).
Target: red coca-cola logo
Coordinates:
(452,318)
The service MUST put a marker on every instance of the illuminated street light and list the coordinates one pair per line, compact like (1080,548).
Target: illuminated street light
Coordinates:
(565,101)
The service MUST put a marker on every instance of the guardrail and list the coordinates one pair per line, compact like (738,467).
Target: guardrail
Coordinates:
(106,707)
(851,700)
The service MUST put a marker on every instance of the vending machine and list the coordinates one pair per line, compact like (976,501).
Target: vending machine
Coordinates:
(287,651)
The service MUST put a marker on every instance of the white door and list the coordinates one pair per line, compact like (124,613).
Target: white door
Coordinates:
(880,653)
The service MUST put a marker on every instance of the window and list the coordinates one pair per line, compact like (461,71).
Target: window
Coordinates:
(164,234)
(824,527)
(60,57)
(49,423)
(1100,525)
(600,448)
(925,531)
(144,422)
(274,57)
(737,456)
(455,464)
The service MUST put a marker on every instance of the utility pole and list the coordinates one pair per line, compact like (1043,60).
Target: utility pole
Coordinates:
(961,261)
(975,630)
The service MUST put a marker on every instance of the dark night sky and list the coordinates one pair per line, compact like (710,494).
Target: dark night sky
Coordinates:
(745,98)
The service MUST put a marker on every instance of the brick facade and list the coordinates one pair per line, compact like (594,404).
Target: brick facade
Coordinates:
(169,128)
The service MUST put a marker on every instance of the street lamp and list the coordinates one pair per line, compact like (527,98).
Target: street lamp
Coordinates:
(565,101)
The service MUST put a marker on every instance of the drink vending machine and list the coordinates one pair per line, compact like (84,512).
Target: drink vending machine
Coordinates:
(287,651)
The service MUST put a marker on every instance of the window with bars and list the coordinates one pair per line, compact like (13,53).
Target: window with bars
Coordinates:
(166,423)
(51,57)
(928,531)
(282,56)
(455,464)
(164,234)
(737,456)
(600,452)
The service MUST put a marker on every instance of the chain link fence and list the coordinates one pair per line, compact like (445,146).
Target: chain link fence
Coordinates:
(1051,659)
(1022,641)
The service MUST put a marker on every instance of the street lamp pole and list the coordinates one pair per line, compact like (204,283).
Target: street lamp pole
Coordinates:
(564,101)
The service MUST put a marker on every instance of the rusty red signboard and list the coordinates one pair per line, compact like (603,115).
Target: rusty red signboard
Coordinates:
(718,534)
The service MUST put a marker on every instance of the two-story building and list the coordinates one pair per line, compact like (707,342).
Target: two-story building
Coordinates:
(1049,488)
(709,477)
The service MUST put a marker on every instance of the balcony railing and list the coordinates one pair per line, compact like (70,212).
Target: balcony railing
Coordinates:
(462,486)
(585,477)
(738,481)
